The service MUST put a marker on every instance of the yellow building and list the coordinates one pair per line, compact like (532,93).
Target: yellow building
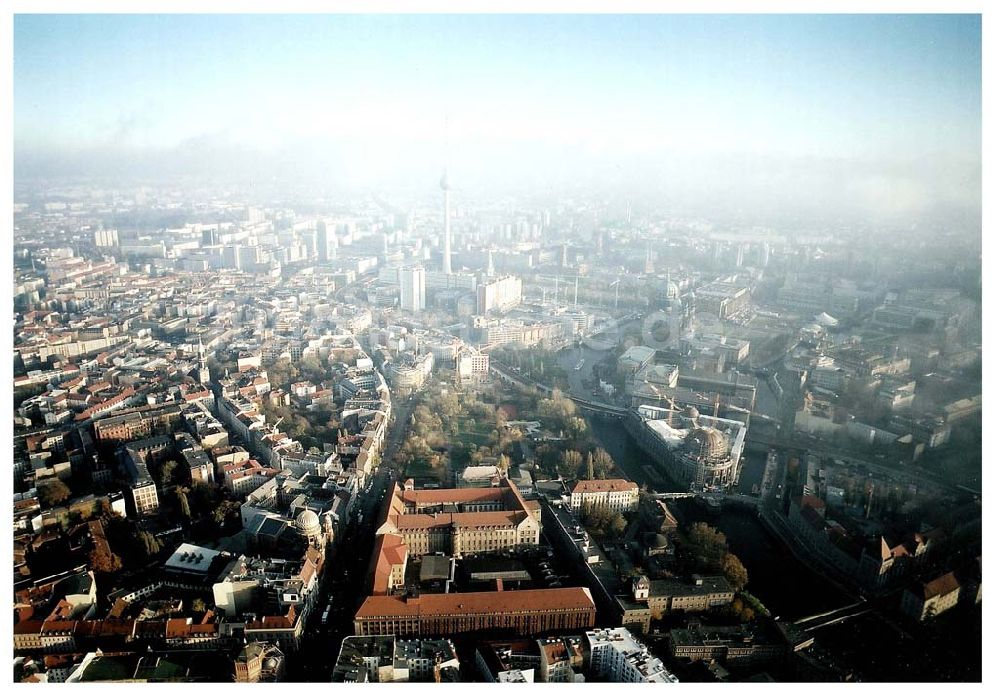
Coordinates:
(460,521)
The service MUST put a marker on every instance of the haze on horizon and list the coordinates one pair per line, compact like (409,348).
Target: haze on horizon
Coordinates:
(874,116)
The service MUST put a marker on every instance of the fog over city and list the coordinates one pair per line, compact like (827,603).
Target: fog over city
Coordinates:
(871,117)
(497,348)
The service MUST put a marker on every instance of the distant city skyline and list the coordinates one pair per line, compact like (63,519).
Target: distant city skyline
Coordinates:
(878,106)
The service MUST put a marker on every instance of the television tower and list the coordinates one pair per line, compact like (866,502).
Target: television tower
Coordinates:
(446,186)
(203,374)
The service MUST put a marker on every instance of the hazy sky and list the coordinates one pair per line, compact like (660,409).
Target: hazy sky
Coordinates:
(371,94)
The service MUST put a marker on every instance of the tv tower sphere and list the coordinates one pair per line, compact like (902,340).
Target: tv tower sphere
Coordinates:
(445,182)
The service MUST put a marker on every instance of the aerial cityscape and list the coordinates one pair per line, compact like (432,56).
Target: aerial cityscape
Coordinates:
(497,348)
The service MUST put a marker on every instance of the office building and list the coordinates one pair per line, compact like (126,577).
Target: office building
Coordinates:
(412,286)
(472,366)
(615,494)
(498,295)
(520,611)
(322,241)
(459,521)
(614,655)
(722,299)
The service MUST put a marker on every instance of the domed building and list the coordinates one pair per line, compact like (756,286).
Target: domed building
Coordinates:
(706,457)
(655,544)
(700,452)
(307,524)
(707,443)
(689,417)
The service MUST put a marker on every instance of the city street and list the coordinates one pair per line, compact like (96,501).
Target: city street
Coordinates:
(342,588)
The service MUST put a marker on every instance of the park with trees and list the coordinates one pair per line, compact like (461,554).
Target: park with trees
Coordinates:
(451,428)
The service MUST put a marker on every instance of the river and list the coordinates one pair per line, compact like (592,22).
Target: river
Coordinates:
(948,650)
(776,577)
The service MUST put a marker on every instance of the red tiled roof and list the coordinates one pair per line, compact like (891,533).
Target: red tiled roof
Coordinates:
(116,627)
(309,567)
(62,610)
(28,626)
(58,626)
(458,519)
(604,486)
(177,628)
(425,497)
(274,622)
(118,608)
(389,551)
(462,603)
(555,650)
(941,586)
(395,553)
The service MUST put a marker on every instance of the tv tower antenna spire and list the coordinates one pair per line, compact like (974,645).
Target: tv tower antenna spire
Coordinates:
(446,187)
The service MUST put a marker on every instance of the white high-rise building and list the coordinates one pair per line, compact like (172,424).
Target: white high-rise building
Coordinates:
(499,294)
(412,283)
(323,235)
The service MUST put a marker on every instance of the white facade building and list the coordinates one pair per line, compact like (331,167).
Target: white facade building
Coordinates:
(412,285)
(616,494)
(473,366)
(498,295)
(615,656)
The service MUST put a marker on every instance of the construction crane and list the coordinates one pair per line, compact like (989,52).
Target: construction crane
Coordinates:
(662,398)
(274,430)
(615,284)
